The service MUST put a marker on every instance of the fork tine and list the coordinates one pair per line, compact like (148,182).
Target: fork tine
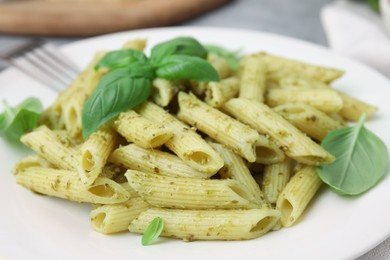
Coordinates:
(35,73)
(51,72)
(51,51)
(44,63)
(55,64)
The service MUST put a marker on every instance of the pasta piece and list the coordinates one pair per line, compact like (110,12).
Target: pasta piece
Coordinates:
(198,88)
(185,143)
(154,161)
(73,106)
(192,225)
(133,193)
(301,83)
(141,131)
(54,115)
(267,152)
(218,93)
(94,154)
(252,80)
(275,64)
(220,64)
(170,192)
(136,44)
(67,185)
(353,108)
(293,142)
(219,126)
(47,144)
(115,218)
(112,171)
(30,161)
(236,169)
(309,120)
(325,100)
(163,91)
(275,178)
(297,194)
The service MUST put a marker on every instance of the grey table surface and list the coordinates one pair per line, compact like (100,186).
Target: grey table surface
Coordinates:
(298,19)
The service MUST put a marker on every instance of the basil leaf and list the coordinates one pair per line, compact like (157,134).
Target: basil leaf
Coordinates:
(121,59)
(153,231)
(186,67)
(108,101)
(181,45)
(232,57)
(361,159)
(374,4)
(135,70)
(14,122)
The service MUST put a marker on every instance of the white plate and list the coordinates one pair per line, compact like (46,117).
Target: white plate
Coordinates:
(334,227)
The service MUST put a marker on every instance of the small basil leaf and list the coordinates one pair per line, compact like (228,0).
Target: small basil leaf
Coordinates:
(120,59)
(176,67)
(232,57)
(181,45)
(110,100)
(153,231)
(14,122)
(361,159)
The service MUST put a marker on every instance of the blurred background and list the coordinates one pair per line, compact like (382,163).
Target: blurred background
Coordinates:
(355,28)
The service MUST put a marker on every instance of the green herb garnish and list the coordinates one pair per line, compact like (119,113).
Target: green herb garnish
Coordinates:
(121,59)
(232,57)
(129,82)
(361,159)
(15,121)
(153,231)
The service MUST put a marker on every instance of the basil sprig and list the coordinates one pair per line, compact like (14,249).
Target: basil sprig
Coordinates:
(361,159)
(153,231)
(15,121)
(129,81)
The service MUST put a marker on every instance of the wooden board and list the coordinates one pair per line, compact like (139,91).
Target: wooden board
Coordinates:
(34,17)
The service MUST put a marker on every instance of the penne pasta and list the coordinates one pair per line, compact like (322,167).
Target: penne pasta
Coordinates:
(73,106)
(218,93)
(138,44)
(192,225)
(220,64)
(163,91)
(290,67)
(46,143)
(236,169)
(141,131)
(297,194)
(154,161)
(353,108)
(115,218)
(323,99)
(184,193)
(67,185)
(185,143)
(253,79)
(267,152)
(275,178)
(219,126)
(293,142)
(94,153)
(309,120)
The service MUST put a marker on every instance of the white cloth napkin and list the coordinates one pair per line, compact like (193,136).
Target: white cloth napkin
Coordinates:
(354,30)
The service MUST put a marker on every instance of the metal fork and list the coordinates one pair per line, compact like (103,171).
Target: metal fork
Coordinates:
(43,62)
